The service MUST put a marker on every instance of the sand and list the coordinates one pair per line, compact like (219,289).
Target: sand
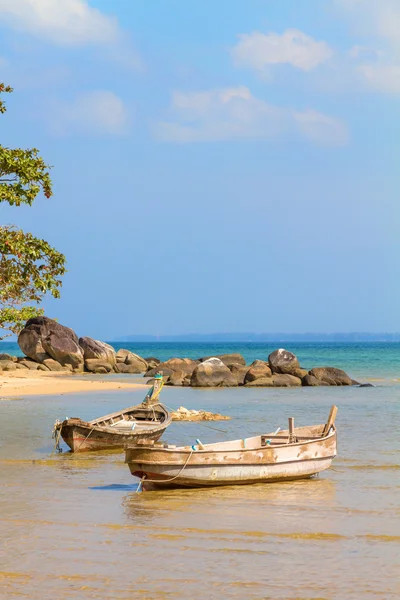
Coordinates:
(39,383)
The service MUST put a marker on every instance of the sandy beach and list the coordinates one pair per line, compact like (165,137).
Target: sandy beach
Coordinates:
(35,383)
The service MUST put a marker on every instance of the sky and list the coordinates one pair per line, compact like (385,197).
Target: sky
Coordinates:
(217,166)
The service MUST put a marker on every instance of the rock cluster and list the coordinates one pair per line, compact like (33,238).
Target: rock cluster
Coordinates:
(49,346)
(282,369)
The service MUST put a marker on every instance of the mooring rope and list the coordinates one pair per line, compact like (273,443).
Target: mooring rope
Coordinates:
(164,480)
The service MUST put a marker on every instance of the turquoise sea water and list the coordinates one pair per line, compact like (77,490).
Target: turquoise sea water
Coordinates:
(379,360)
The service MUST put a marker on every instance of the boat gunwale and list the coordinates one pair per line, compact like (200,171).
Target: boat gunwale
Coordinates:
(185,450)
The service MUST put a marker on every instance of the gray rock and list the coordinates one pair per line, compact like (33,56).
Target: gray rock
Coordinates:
(31,338)
(64,350)
(331,376)
(227,359)
(212,373)
(282,361)
(95,349)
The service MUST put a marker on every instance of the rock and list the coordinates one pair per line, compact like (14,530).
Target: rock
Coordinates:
(258,370)
(212,373)
(165,372)
(180,364)
(331,376)
(261,382)
(7,365)
(282,361)
(311,381)
(227,359)
(53,365)
(179,378)
(65,350)
(127,368)
(42,367)
(152,361)
(183,414)
(19,365)
(285,380)
(8,357)
(363,385)
(137,363)
(95,349)
(31,340)
(239,372)
(300,373)
(98,365)
(29,364)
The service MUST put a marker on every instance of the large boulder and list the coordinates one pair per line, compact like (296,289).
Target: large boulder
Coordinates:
(282,361)
(136,363)
(64,350)
(95,349)
(331,376)
(227,359)
(257,370)
(44,338)
(212,373)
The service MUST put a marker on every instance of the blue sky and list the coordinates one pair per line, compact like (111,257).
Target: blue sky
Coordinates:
(218,166)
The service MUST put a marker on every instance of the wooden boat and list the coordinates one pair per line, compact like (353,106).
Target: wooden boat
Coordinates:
(296,453)
(147,421)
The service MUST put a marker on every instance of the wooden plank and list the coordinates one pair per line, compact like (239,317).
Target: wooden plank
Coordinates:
(331,419)
(291,429)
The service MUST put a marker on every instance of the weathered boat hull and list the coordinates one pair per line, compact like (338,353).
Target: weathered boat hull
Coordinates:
(81,438)
(225,464)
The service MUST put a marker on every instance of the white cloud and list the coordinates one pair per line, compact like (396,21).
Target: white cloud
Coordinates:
(380,21)
(61,21)
(98,112)
(70,23)
(381,78)
(235,114)
(259,51)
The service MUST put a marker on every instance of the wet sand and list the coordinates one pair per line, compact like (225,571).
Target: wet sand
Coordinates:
(73,526)
(40,383)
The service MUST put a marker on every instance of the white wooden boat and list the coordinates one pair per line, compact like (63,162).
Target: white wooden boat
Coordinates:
(296,453)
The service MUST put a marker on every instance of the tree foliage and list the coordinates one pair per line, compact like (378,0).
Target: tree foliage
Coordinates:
(29,266)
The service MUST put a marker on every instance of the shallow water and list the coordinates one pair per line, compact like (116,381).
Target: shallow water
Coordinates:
(74,526)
